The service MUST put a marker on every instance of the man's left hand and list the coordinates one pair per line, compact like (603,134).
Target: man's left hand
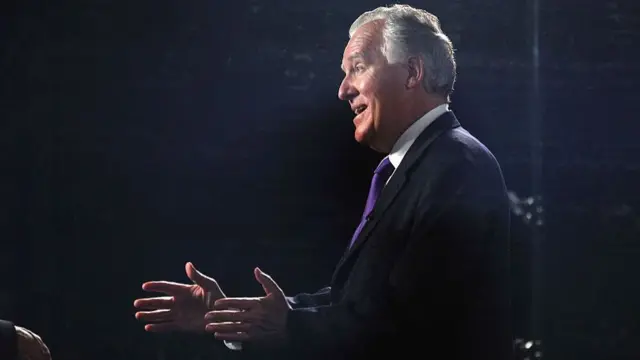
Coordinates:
(259,319)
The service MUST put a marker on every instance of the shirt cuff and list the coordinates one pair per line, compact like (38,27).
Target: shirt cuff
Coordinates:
(233,345)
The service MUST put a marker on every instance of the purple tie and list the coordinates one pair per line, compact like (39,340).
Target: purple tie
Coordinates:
(380,177)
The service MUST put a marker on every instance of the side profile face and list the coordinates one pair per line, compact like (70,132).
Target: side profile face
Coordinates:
(374,88)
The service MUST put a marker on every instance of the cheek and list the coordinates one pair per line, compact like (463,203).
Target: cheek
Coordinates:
(380,93)
(370,86)
(388,97)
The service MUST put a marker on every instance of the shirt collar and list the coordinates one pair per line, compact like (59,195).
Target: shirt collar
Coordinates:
(404,142)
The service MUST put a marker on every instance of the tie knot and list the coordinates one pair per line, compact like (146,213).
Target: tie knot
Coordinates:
(384,166)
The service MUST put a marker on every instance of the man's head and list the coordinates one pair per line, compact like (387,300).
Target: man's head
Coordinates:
(30,345)
(398,65)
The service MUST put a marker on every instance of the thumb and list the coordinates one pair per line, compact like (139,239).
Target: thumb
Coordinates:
(268,284)
(199,278)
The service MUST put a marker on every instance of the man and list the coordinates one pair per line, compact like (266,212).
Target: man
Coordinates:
(427,269)
(20,343)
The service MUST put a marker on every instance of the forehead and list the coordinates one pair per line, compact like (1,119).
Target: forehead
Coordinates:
(365,42)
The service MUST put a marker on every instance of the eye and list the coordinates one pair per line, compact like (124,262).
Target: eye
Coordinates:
(358,68)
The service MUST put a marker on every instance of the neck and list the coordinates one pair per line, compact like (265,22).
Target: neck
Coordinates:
(421,105)
(414,110)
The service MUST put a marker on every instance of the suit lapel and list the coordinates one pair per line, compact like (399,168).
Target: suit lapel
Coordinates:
(397,182)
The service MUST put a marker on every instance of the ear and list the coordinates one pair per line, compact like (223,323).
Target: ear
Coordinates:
(415,65)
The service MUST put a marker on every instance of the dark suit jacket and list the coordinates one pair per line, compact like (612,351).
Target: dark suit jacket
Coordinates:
(8,341)
(429,273)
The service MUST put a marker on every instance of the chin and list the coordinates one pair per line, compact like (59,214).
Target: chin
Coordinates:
(362,136)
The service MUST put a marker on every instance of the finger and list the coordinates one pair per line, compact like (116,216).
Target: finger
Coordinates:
(162,327)
(229,316)
(227,327)
(268,284)
(167,287)
(199,278)
(236,303)
(165,302)
(154,316)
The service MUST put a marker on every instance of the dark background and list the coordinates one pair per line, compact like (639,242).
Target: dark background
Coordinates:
(140,135)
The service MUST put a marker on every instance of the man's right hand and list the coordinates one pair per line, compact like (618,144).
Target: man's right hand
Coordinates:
(184,307)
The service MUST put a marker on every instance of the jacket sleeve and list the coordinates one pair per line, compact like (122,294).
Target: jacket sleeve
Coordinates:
(304,300)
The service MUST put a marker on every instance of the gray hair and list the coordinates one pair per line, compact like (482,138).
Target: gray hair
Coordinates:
(408,32)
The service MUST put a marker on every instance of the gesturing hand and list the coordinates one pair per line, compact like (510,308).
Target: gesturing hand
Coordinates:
(184,308)
(251,319)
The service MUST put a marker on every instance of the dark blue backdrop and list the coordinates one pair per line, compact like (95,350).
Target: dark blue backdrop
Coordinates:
(140,135)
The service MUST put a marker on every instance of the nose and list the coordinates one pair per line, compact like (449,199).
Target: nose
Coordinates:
(346,91)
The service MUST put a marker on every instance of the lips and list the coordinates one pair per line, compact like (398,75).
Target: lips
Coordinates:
(359,117)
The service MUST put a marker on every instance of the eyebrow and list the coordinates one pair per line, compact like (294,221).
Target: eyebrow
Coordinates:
(357,55)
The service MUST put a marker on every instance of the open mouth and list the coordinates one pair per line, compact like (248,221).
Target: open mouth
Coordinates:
(360,109)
